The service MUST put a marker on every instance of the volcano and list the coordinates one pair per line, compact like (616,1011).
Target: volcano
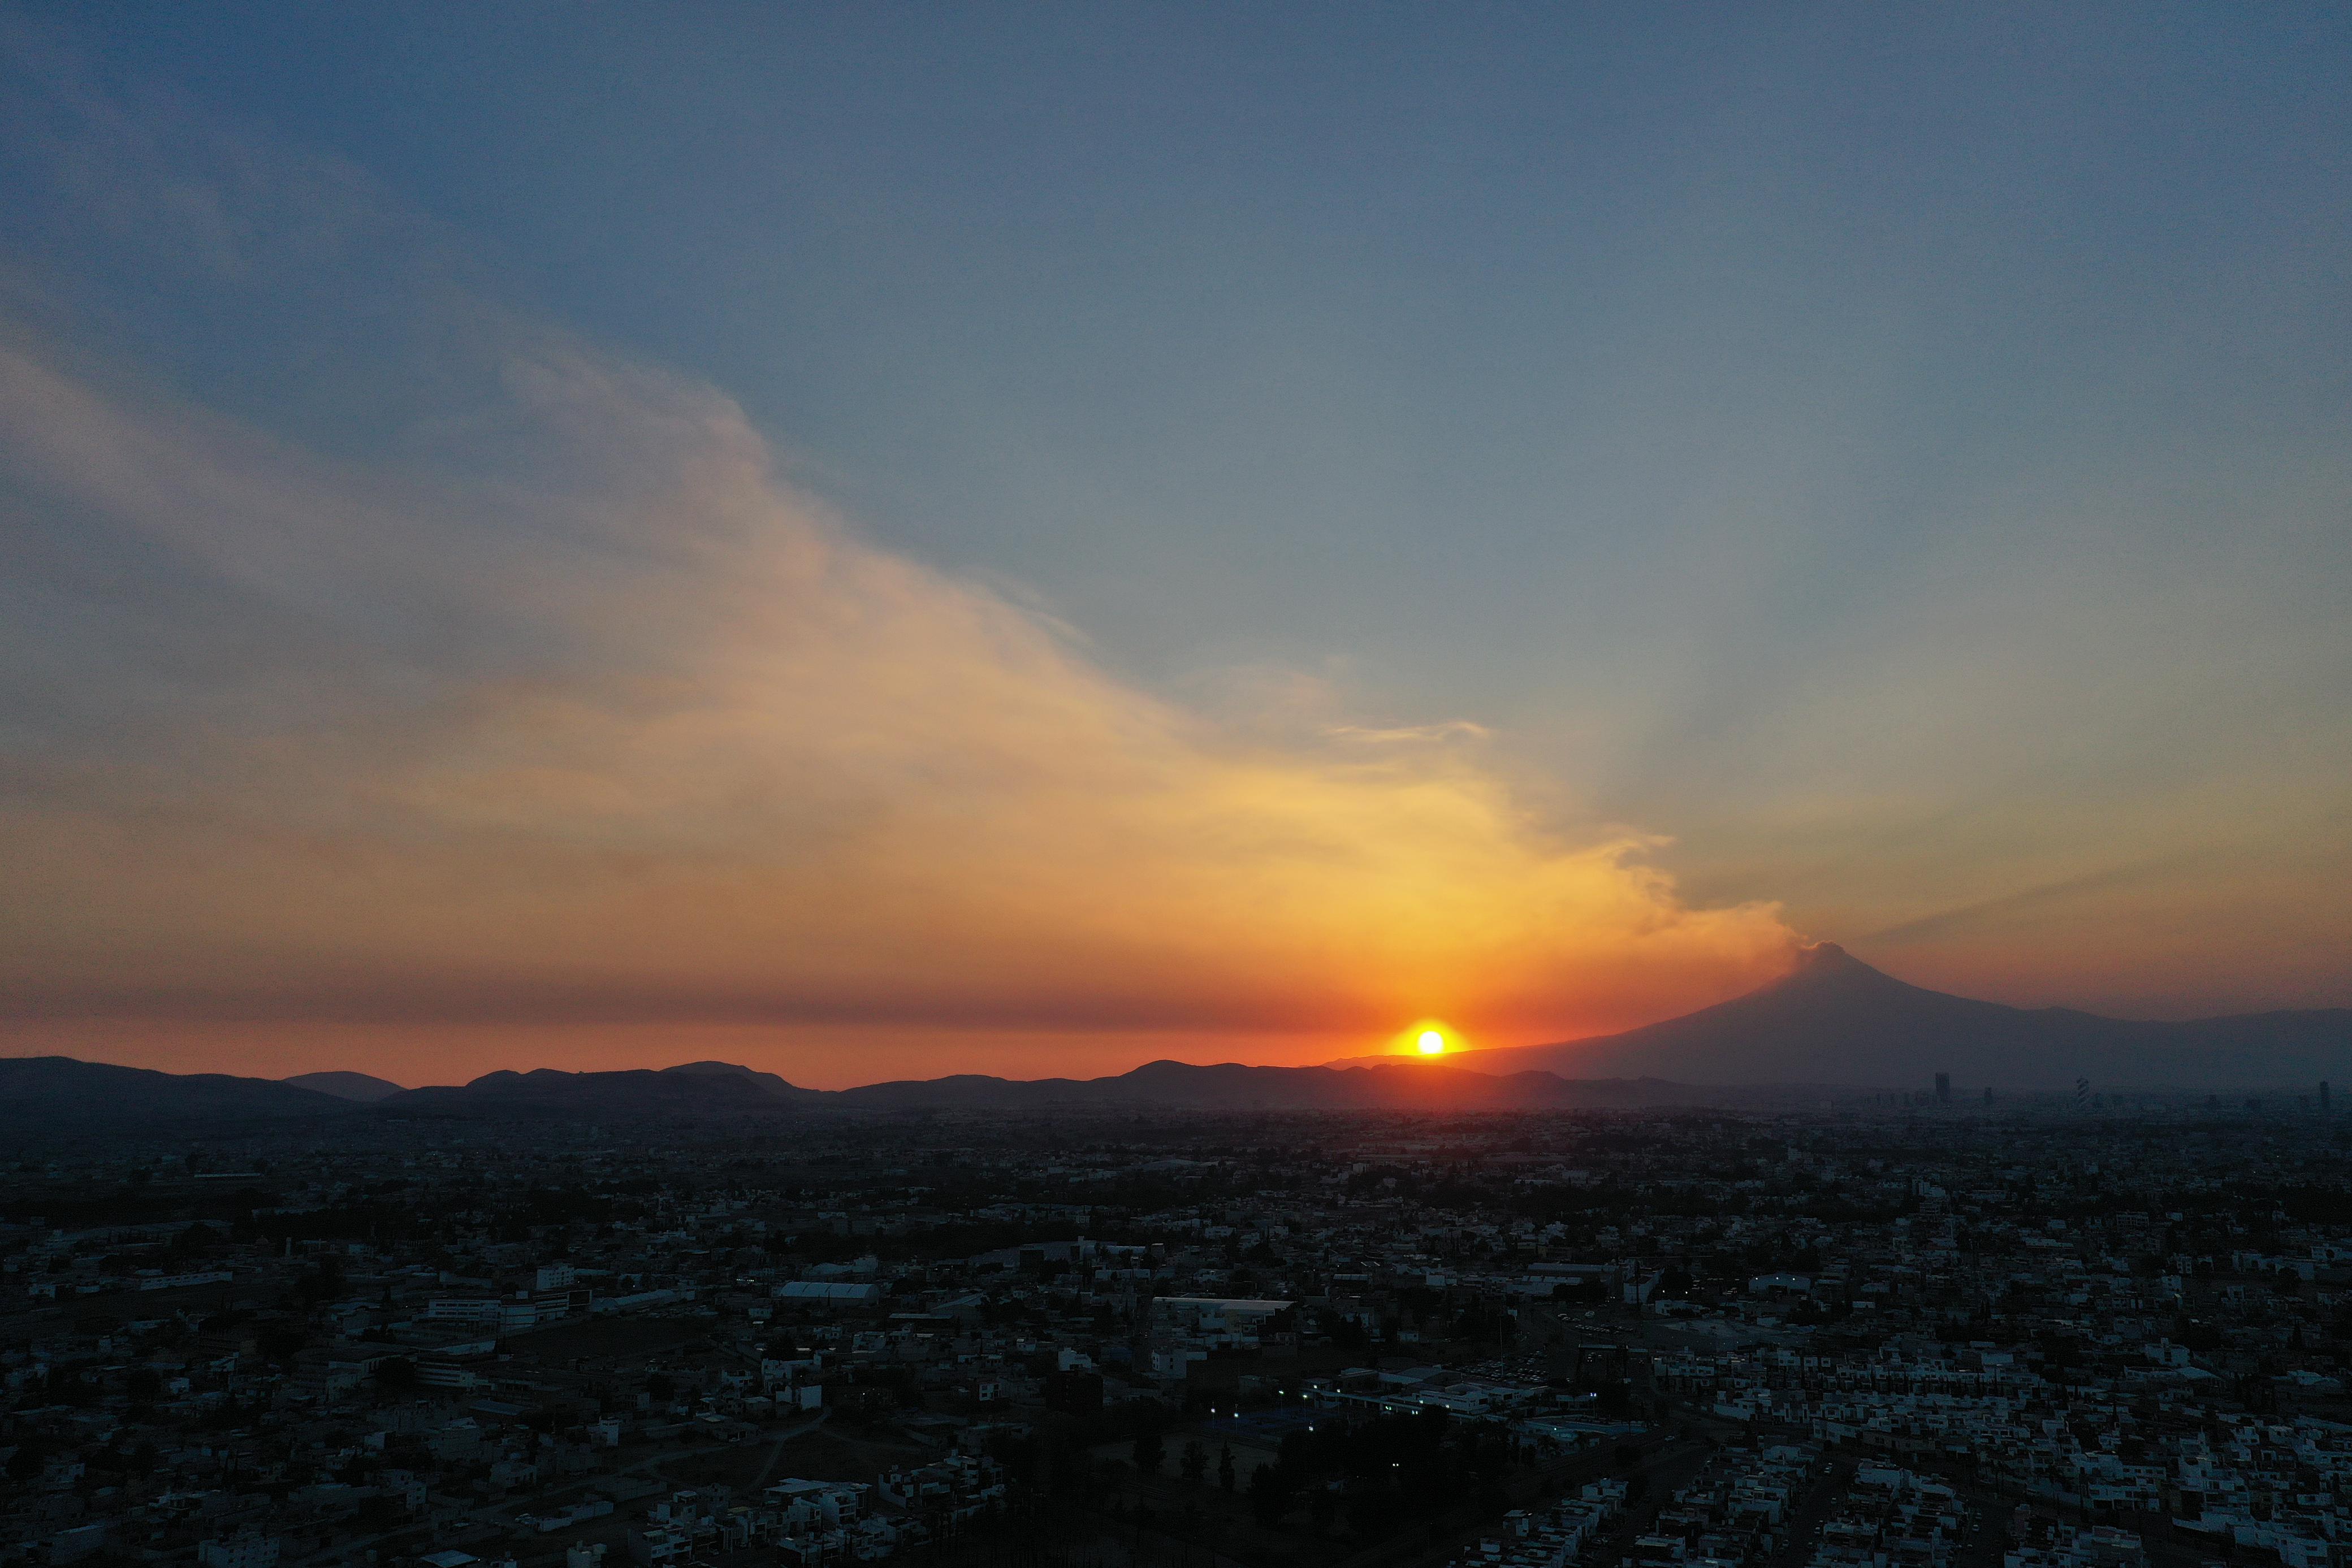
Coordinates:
(1836,1021)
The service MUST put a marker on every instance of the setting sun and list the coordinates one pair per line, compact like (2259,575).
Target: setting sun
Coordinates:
(1425,1038)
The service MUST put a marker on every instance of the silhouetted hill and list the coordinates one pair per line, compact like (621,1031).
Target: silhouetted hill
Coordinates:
(58,1094)
(766,1083)
(636,1095)
(1835,1020)
(723,1089)
(356,1086)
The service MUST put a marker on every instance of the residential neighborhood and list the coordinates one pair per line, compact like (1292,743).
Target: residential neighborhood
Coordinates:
(1896,1332)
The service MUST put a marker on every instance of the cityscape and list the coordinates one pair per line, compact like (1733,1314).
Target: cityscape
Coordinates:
(2049,1335)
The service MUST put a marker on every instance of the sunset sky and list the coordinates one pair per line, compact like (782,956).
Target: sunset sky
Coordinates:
(882,542)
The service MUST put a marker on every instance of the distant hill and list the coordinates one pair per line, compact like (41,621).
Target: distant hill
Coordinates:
(1834,1022)
(723,1089)
(58,1094)
(356,1086)
(1837,1021)
(746,1078)
(705,1089)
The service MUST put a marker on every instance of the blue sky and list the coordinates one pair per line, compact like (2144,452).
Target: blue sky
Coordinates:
(1891,459)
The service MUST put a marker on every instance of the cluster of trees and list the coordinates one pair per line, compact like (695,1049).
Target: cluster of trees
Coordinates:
(1379,1474)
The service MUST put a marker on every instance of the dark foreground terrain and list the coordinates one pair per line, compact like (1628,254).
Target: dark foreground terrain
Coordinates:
(1890,1335)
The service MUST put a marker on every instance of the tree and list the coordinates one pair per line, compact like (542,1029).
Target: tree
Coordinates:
(1225,1466)
(1269,1495)
(1195,1461)
(396,1375)
(1150,1451)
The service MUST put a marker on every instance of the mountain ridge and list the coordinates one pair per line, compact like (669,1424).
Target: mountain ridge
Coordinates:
(1833,1024)
(725,1090)
(68,1095)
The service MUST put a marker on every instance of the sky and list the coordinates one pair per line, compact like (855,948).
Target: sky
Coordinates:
(875,543)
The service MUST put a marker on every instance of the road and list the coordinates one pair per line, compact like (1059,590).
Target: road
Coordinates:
(776,1455)
(1811,1513)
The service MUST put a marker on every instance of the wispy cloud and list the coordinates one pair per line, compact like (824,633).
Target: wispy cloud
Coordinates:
(1412,734)
(551,700)
(695,750)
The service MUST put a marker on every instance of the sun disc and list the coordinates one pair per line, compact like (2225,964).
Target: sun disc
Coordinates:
(1432,1042)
